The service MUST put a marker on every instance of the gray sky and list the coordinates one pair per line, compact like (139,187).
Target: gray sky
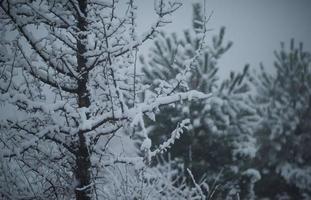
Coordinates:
(256,27)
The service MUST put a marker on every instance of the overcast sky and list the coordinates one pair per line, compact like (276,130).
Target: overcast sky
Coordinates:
(256,27)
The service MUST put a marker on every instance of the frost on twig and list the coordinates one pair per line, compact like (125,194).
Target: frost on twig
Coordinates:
(176,134)
(197,186)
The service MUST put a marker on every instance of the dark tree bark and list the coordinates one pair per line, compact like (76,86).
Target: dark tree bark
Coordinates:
(83,163)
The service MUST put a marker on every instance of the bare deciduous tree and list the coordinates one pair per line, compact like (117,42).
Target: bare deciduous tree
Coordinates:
(68,72)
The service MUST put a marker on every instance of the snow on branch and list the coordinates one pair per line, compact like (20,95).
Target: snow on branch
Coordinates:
(95,122)
(23,102)
(25,146)
(165,100)
(197,186)
(174,136)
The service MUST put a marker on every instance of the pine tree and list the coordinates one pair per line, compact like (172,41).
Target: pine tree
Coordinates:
(284,101)
(222,126)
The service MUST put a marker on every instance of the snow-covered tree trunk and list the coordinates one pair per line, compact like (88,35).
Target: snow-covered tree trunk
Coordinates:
(83,160)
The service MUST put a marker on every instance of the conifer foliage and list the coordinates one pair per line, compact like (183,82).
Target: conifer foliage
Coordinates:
(221,134)
(284,102)
(80,120)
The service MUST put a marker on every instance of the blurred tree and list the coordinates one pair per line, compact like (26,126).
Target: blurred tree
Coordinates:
(284,102)
(221,139)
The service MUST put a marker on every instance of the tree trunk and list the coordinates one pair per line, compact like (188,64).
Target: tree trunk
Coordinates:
(83,170)
(83,190)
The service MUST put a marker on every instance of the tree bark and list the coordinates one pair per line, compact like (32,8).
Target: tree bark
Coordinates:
(83,189)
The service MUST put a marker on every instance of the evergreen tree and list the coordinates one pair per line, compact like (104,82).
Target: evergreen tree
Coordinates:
(284,102)
(221,138)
